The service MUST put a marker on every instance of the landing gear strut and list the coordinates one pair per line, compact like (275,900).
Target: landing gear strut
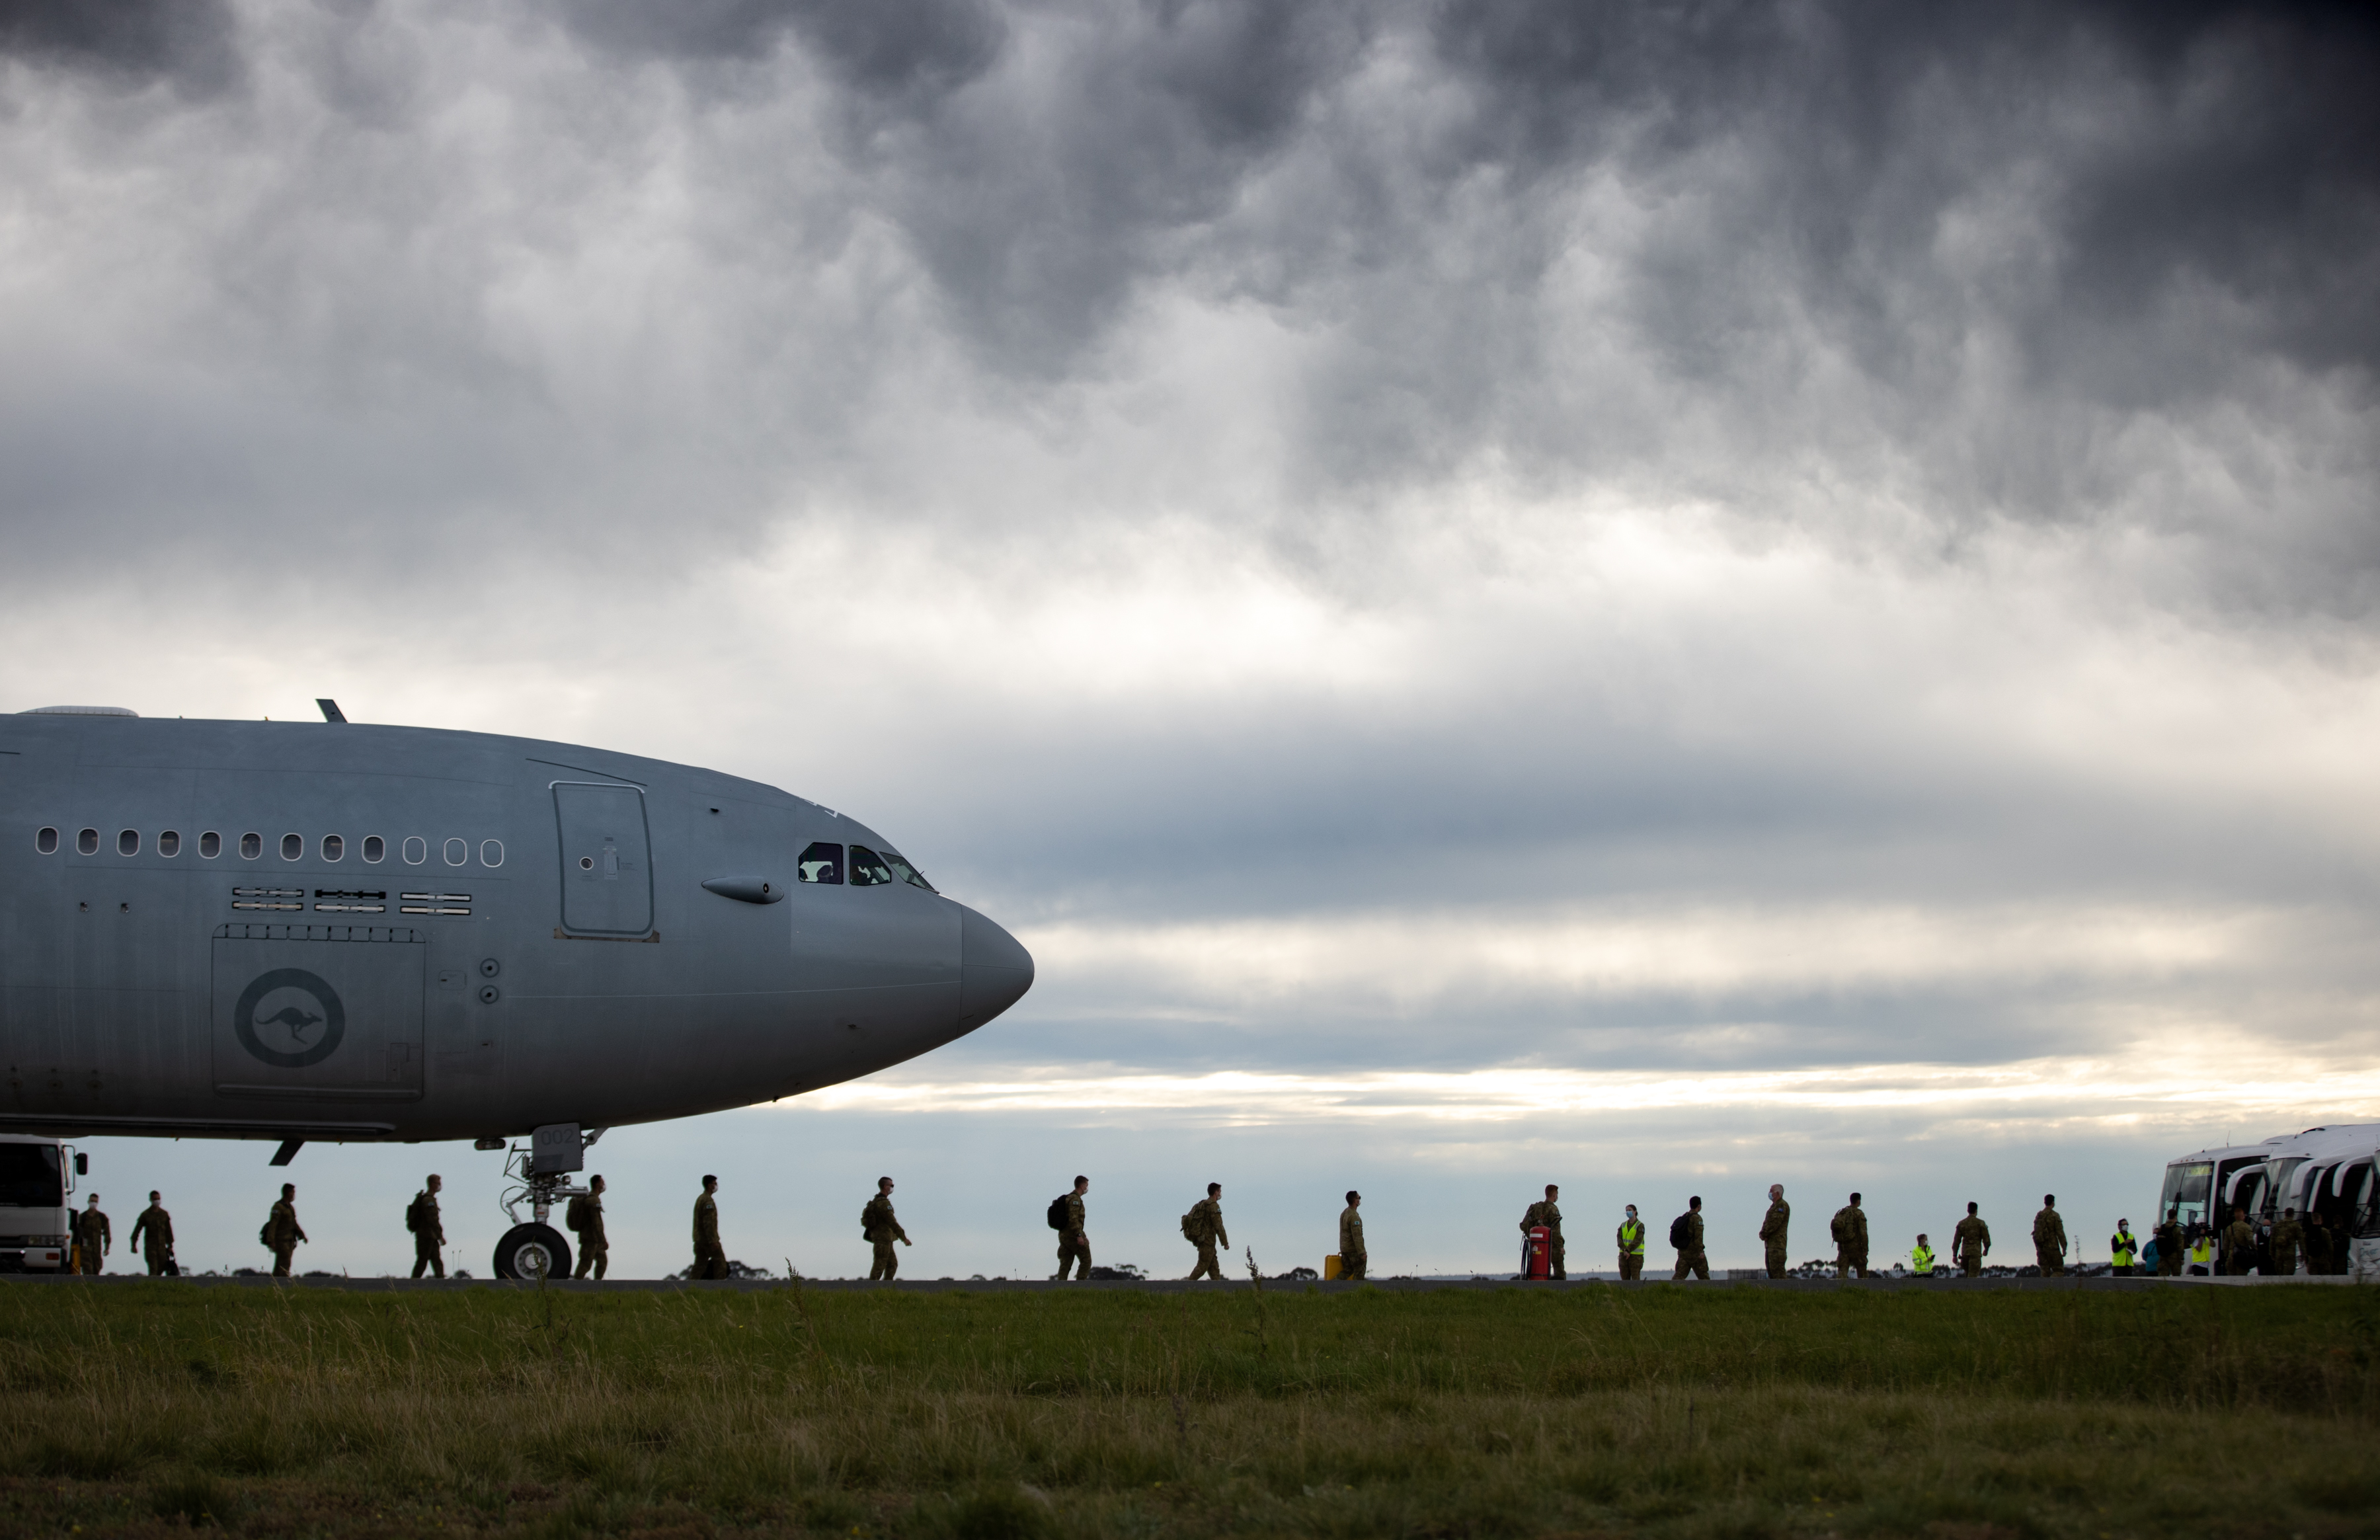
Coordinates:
(536,1251)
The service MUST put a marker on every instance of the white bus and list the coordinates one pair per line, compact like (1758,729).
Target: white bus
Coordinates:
(2328,1171)
(36,1200)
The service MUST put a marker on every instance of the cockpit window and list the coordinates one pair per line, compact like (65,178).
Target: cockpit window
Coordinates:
(821,863)
(868,868)
(907,873)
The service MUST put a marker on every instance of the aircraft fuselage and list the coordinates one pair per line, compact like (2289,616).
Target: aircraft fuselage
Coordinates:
(341,932)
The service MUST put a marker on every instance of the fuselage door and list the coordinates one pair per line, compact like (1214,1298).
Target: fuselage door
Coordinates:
(607,873)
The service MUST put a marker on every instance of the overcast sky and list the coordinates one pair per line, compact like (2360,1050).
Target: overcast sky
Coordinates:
(1663,596)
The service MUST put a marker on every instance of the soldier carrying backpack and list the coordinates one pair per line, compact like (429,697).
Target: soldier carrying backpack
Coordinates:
(429,1230)
(1203,1227)
(1066,1218)
(877,1224)
(1686,1234)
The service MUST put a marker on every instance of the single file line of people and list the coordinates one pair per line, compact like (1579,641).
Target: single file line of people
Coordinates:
(2171,1248)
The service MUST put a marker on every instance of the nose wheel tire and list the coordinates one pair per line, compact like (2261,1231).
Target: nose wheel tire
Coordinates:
(532,1251)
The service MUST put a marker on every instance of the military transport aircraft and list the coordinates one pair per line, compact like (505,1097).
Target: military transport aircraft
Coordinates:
(334,931)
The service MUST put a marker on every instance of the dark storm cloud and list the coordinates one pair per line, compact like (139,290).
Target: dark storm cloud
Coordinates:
(896,46)
(191,43)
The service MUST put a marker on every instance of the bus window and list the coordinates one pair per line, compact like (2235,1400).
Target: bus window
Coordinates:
(2187,1187)
(868,868)
(821,863)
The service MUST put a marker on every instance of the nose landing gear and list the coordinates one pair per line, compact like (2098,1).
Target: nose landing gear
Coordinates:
(536,1251)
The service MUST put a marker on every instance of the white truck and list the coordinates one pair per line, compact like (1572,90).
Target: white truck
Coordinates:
(37,1178)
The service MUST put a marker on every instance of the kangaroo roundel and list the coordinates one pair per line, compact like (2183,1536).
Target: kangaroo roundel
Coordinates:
(289,1018)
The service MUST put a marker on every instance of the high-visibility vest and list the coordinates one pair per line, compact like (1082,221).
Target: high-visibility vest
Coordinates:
(2201,1252)
(1632,1238)
(2125,1246)
(1922,1258)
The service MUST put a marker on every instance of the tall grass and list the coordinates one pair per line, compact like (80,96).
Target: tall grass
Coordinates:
(1737,1411)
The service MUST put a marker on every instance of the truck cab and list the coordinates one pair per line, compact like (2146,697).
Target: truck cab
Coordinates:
(36,1190)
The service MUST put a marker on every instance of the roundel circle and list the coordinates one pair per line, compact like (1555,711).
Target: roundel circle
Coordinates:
(289,1018)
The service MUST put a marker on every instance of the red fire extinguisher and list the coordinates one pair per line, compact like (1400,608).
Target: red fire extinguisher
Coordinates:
(1537,1252)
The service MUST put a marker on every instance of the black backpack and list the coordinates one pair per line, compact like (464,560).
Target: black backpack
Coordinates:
(1681,1236)
(1058,1212)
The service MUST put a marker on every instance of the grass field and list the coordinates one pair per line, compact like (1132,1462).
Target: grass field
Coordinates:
(143,1408)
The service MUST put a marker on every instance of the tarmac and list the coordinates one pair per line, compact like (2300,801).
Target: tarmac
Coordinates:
(2099,1284)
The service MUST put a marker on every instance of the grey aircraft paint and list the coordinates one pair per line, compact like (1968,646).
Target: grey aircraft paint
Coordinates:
(348,932)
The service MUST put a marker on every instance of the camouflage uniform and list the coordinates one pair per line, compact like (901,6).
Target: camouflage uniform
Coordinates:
(2319,1243)
(1692,1258)
(2238,1246)
(1772,1235)
(2049,1241)
(1073,1244)
(1970,1238)
(1207,1229)
(282,1233)
(1547,1213)
(2285,1239)
(710,1257)
(883,1229)
(94,1236)
(1631,1239)
(594,1249)
(1351,1260)
(1850,1230)
(2169,1249)
(428,1233)
(153,1233)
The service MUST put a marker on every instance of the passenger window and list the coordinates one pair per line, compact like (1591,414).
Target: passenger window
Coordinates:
(459,853)
(46,841)
(417,851)
(868,868)
(128,843)
(492,852)
(210,845)
(251,845)
(375,849)
(292,846)
(907,873)
(821,863)
(169,844)
(333,848)
(87,843)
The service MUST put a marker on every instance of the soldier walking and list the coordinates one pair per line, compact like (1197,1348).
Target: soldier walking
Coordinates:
(1549,1214)
(1353,1262)
(153,1233)
(1772,1229)
(1074,1246)
(710,1257)
(281,1230)
(93,1239)
(585,1216)
(428,1230)
(1971,1242)
(2284,1240)
(1688,1230)
(1850,1229)
(1203,1227)
(1630,1236)
(2169,1244)
(881,1227)
(2049,1237)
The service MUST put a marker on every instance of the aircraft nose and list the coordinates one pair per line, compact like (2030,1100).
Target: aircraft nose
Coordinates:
(994,970)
